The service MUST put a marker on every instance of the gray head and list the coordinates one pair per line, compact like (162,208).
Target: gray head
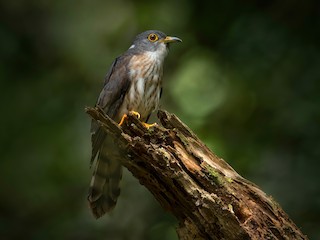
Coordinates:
(152,41)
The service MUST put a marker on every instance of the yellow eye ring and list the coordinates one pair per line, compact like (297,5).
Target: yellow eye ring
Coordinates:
(153,37)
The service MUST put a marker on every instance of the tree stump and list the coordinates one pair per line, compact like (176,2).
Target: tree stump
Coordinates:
(207,196)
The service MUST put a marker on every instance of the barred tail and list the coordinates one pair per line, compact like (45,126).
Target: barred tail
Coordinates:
(104,187)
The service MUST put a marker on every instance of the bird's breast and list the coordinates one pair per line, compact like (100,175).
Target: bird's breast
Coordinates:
(145,74)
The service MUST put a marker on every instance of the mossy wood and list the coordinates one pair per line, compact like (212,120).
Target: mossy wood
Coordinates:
(207,196)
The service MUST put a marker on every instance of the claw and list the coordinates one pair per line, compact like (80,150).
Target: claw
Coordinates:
(147,125)
(136,114)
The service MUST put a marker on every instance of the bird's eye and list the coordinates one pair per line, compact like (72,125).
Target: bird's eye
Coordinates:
(153,37)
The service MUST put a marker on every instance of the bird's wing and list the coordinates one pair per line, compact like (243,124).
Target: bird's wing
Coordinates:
(104,187)
(111,97)
(115,86)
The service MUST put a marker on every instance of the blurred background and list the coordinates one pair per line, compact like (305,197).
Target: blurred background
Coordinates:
(246,79)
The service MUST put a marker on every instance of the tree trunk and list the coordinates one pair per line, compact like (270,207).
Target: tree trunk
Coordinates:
(207,196)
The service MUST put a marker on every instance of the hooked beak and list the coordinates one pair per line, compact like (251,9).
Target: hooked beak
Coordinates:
(169,39)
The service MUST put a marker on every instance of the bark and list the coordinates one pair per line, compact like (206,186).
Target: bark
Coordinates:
(207,196)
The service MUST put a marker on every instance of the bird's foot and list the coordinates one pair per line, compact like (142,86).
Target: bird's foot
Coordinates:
(147,125)
(136,114)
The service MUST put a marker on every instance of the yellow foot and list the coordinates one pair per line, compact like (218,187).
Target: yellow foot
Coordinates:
(122,119)
(125,116)
(136,114)
(147,125)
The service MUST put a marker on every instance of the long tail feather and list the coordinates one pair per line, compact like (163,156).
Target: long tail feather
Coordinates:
(104,187)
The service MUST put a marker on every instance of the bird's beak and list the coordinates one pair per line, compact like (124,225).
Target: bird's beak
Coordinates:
(169,39)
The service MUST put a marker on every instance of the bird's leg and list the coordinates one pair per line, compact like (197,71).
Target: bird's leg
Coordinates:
(125,116)
(122,119)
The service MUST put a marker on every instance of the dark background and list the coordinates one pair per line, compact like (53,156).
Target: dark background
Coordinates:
(246,79)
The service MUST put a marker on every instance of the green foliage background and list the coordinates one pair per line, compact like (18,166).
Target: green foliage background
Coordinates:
(246,79)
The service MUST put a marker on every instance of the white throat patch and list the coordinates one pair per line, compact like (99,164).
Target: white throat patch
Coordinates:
(160,54)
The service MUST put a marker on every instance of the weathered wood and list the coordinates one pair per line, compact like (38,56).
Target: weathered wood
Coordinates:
(209,198)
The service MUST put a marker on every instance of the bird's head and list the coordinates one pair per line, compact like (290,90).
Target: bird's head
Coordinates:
(152,41)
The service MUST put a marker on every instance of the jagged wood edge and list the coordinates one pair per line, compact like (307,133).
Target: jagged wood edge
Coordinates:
(210,200)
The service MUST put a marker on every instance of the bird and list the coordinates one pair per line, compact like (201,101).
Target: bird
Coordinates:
(132,84)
